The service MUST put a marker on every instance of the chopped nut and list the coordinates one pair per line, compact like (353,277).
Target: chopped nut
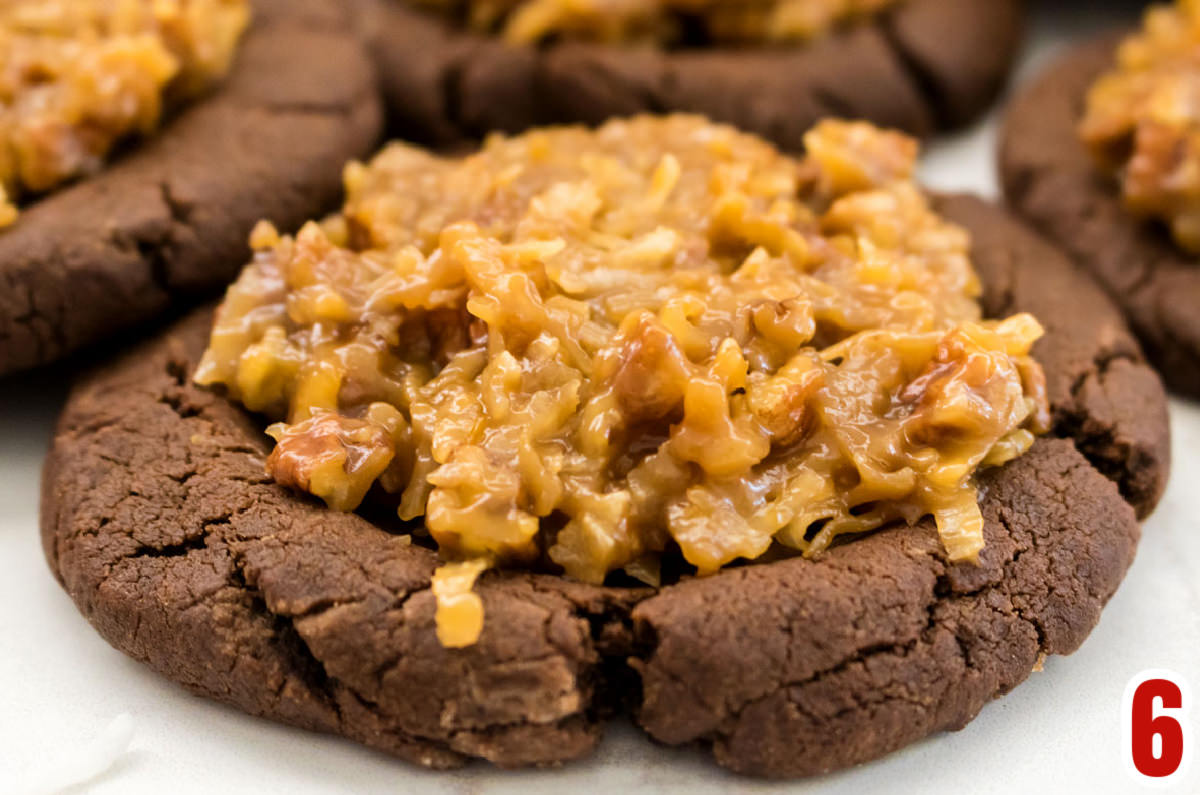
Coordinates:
(651,380)
(333,457)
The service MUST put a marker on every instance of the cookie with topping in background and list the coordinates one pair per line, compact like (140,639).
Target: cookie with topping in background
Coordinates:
(144,140)
(455,71)
(1100,154)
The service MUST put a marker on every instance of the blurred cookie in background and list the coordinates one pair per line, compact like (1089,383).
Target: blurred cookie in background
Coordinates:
(455,71)
(142,141)
(1102,153)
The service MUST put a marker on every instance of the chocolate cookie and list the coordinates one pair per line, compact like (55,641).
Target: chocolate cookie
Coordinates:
(926,64)
(1050,178)
(171,219)
(158,519)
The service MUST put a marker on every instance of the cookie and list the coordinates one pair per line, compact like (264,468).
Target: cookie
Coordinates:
(925,65)
(160,522)
(1050,179)
(171,219)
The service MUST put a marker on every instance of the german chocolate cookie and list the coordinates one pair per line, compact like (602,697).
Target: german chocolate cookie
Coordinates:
(159,521)
(920,66)
(170,219)
(1050,179)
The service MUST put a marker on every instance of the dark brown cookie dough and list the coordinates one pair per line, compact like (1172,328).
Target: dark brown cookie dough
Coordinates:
(171,219)
(924,65)
(158,519)
(1049,178)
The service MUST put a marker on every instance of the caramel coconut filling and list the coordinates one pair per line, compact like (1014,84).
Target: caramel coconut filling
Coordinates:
(587,348)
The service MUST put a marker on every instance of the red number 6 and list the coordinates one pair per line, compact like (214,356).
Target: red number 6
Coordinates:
(1146,726)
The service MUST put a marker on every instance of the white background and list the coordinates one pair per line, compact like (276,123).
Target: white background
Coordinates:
(61,685)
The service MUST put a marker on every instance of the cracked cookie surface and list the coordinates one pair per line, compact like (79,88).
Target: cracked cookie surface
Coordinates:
(160,522)
(923,65)
(1050,178)
(170,220)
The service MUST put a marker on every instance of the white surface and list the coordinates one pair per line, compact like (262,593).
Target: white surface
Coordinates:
(61,685)
(79,766)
